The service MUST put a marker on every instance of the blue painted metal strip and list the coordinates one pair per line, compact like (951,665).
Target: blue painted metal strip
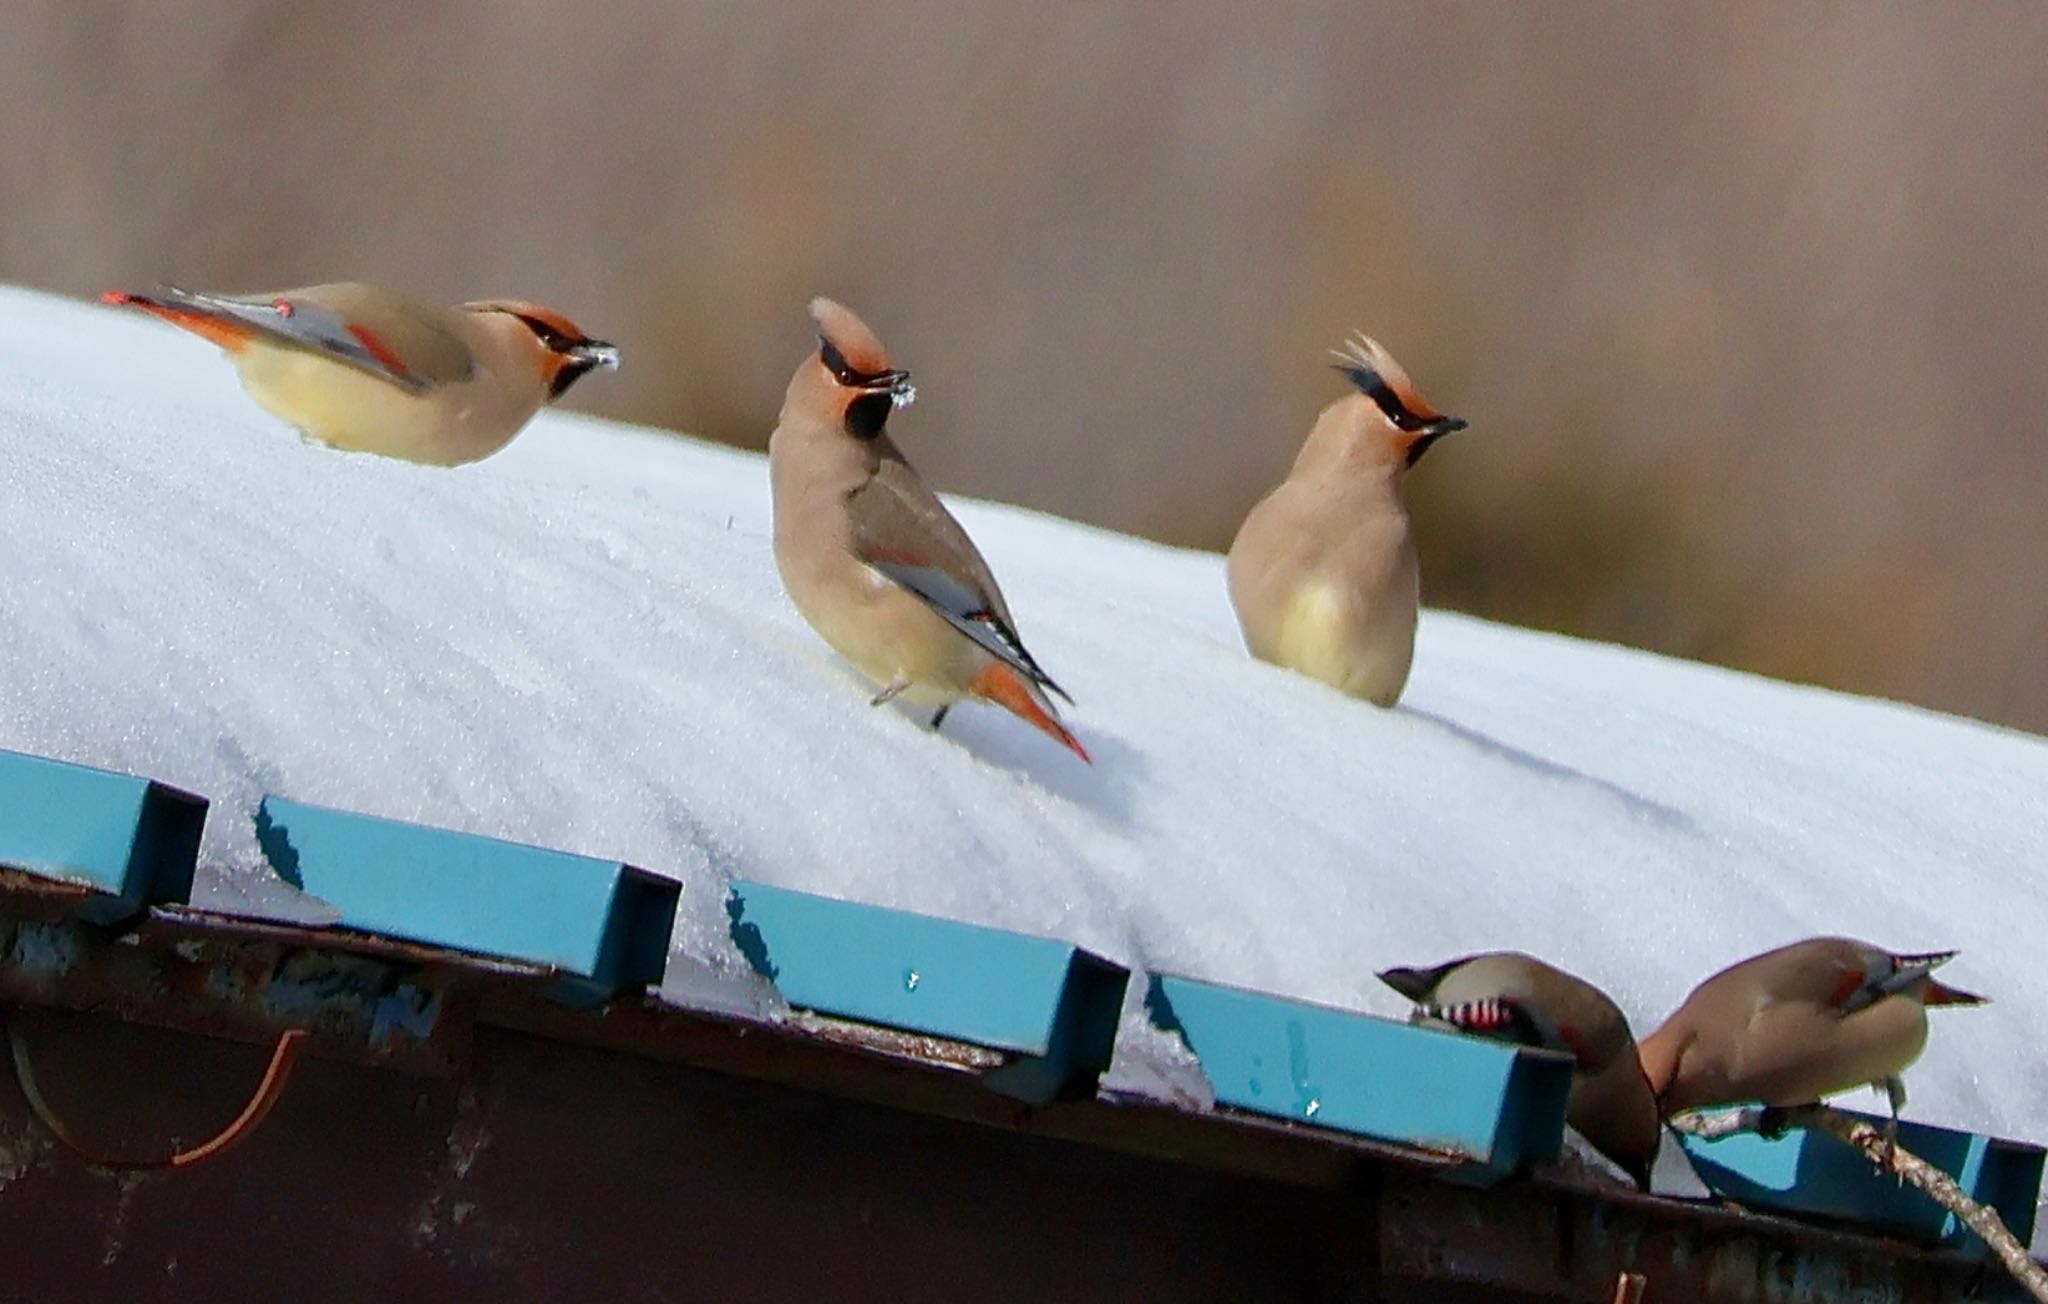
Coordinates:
(1046,1001)
(133,840)
(1807,1172)
(1502,1106)
(602,921)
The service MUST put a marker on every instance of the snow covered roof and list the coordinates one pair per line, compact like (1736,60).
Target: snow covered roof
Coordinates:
(582,643)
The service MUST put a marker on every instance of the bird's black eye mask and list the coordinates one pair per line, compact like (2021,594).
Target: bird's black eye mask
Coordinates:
(1375,387)
(581,354)
(1427,430)
(556,341)
(882,392)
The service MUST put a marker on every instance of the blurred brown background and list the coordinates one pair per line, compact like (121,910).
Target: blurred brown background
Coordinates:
(1747,303)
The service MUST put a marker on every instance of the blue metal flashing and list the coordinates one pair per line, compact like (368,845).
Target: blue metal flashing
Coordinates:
(133,841)
(602,924)
(1809,1172)
(1500,1106)
(1047,1002)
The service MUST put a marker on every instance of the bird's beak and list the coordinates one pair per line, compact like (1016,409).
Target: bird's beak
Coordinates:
(594,353)
(896,384)
(1419,442)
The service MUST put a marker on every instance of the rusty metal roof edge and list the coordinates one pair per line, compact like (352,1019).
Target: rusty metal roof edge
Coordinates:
(915,1072)
(223,974)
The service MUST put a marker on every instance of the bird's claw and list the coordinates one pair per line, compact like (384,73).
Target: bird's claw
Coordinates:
(890,693)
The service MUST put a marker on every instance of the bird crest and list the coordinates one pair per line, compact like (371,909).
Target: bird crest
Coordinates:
(1365,362)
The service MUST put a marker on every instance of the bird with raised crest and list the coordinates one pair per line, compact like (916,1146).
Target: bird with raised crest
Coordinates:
(871,557)
(1323,571)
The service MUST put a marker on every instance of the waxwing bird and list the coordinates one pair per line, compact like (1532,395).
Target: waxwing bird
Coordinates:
(1793,1025)
(870,556)
(368,370)
(1513,997)
(1322,571)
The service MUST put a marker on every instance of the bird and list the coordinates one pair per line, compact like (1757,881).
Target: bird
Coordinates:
(1509,996)
(1793,1025)
(364,369)
(871,558)
(1322,572)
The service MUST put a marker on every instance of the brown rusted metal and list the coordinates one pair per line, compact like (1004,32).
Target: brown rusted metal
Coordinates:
(33,896)
(244,985)
(1540,1241)
(642,1152)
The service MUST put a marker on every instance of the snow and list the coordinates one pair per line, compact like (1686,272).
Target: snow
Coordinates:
(583,643)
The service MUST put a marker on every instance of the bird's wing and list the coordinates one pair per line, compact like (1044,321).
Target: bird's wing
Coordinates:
(903,531)
(1860,991)
(1502,1018)
(388,338)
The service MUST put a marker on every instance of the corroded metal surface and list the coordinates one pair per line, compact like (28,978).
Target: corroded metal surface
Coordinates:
(385,1011)
(640,1152)
(1538,1241)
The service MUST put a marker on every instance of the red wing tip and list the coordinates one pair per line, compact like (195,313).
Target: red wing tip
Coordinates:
(379,350)
(117,298)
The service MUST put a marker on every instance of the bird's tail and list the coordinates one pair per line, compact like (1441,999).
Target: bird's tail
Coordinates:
(1415,984)
(203,318)
(1002,685)
(1937,993)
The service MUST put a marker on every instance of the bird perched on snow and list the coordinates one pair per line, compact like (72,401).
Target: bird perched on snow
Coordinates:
(1322,571)
(1513,997)
(869,555)
(368,370)
(1793,1025)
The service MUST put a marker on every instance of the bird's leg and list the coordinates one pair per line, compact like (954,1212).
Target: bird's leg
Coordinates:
(1895,1095)
(889,694)
(939,717)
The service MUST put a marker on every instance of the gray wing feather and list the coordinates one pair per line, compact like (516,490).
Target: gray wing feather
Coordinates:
(904,532)
(1891,984)
(297,319)
(956,605)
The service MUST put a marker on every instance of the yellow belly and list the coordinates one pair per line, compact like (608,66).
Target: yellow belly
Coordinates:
(890,635)
(1324,635)
(345,408)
